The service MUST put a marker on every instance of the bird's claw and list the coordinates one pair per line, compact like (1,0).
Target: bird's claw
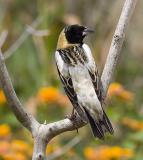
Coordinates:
(72,117)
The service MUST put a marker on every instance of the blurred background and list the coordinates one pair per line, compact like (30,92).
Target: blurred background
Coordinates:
(33,28)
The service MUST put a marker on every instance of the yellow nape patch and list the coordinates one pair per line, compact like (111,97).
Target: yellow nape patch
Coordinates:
(62,41)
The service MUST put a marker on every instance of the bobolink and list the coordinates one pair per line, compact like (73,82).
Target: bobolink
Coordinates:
(80,78)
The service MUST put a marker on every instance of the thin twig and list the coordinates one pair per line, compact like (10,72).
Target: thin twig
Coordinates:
(58,153)
(3,38)
(21,39)
(6,84)
(39,33)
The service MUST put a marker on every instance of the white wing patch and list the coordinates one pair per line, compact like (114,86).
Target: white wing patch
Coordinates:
(61,65)
(91,63)
(93,71)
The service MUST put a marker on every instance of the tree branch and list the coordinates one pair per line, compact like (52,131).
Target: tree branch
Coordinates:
(3,37)
(26,119)
(21,39)
(43,133)
(116,44)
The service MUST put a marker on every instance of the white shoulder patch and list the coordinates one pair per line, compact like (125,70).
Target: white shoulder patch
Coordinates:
(59,61)
(61,64)
(91,63)
(87,49)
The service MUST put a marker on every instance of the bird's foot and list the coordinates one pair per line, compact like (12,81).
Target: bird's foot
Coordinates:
(72,117)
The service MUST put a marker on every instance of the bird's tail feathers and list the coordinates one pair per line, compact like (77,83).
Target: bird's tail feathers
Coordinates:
(99,127)
(106,122)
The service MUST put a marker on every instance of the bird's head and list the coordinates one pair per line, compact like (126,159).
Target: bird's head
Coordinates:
(73,34)
(76,33)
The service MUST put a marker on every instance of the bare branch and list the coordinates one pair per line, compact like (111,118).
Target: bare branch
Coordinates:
(64,125)
(25,118)
(21,39)
(35,32)
(3,38)
(116,44)
(44,133)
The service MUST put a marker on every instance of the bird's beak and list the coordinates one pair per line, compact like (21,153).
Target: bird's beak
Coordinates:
(87,31)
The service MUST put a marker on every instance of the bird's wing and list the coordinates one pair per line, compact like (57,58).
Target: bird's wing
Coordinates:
(68,85)
(93,72)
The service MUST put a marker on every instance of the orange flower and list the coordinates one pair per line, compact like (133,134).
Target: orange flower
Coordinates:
(107,153)
(127,152)
(63,100)
(114,152)
(19,146)
(2,97)
(52,95)
(14,156)
(4,130)
(127,96)
(90,153)
(47,94)
(132,123)
(4,147)
(116,89)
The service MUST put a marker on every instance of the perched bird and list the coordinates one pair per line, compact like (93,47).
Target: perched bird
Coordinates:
(80,78)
